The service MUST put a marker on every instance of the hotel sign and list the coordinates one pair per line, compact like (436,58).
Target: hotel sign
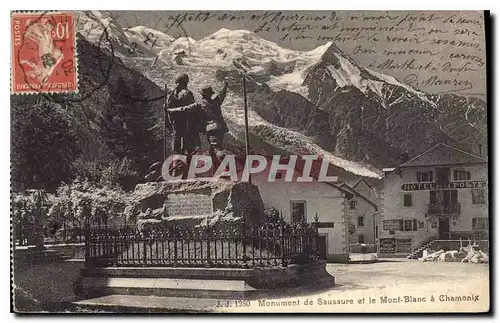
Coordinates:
(434,186)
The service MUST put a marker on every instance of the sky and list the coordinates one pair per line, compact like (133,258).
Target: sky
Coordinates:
(434,51)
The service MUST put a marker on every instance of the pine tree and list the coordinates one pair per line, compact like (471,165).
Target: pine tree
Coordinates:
(43,145)
(128,126)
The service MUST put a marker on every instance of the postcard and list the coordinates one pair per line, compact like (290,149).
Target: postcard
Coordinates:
(249,162)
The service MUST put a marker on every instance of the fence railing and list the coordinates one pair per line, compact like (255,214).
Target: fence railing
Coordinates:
(221,246)
(24,234)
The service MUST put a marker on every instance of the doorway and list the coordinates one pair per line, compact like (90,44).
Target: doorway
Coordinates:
(321,245)
(444,228)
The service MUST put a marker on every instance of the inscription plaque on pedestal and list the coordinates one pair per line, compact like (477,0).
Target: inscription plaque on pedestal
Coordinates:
(189,204)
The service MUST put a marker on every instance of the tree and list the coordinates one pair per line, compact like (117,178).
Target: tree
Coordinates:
(28,210)
(82,202)
(43,145)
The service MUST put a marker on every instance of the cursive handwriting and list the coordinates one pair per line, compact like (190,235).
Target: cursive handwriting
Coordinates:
(440,50)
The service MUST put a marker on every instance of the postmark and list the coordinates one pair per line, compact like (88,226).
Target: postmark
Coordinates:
(44,57)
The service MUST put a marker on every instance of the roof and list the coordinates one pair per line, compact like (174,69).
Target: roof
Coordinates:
(346,191)
(442,154)
(356,193)
(353,183)
(362,180)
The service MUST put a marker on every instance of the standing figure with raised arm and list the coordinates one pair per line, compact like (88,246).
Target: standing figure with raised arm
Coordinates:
(210,107)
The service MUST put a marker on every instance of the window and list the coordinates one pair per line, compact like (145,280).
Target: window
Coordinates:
(461,175)
(478,196)
(361,238)
(410,225)
(480,223)
(279,175)
(361,221)
(407,199)
(425,176)
(352,204)
(443,197)
(298,209)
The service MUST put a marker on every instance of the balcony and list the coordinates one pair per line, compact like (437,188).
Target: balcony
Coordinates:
(439,209)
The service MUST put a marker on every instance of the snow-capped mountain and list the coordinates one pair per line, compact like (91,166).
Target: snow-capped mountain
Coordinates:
(318,102)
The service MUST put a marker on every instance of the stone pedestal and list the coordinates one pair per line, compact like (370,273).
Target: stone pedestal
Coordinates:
(229,283)
(197,202)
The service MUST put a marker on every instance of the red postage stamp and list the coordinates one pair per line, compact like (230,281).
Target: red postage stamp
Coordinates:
(43,53)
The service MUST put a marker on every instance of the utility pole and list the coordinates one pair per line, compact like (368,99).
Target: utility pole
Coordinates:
(165,123)
(247,138)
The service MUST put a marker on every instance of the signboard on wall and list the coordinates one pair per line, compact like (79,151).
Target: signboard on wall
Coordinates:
(326,225)
(403,245)
(387,245)
(433,186)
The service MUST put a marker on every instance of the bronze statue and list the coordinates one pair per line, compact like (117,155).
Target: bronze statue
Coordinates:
(209,107)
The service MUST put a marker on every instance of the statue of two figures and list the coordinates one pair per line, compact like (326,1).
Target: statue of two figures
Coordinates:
(186,120)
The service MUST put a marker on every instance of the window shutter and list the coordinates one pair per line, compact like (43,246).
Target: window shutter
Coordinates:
(468,176)
(419,177)
(454,197)
(474,223)
(401,225)
(415,225)
(432,197)
(431,176)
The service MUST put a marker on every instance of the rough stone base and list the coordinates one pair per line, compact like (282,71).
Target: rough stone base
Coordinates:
(231,283)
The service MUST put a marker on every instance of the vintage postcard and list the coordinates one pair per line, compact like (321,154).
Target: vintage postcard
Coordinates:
(249,161)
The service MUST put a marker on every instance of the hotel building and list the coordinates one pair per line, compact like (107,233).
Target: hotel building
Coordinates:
(440,194)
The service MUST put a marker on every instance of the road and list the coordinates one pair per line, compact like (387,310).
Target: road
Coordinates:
(393,286)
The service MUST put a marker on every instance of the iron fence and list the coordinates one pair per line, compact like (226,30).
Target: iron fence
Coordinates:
(221,246)
(24,234)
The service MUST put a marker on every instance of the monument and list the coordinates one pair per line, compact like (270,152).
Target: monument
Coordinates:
(201,237)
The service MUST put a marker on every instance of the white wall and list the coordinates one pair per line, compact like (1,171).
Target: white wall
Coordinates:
(321,199)
(366,210)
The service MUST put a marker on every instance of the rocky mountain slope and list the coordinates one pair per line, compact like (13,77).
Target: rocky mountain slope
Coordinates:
(308,102)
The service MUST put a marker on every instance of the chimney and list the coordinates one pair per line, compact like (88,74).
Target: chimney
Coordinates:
(480,148)
(404,157)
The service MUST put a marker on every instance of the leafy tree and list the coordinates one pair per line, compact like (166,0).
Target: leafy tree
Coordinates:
(82,201)
(28,210)
(43,145)
(104,173)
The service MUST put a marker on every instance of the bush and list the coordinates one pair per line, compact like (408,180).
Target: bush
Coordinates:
(82,200)
(116,172)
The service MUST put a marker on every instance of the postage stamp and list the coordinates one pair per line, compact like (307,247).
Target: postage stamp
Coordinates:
(43,53)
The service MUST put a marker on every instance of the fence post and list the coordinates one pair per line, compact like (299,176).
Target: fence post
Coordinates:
(208,245)
(174,231)
(282,239)
(87,242)
(244,235)
(315,237)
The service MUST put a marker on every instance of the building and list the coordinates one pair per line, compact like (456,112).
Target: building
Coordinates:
(362,213)
(440,194)
(299,202)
